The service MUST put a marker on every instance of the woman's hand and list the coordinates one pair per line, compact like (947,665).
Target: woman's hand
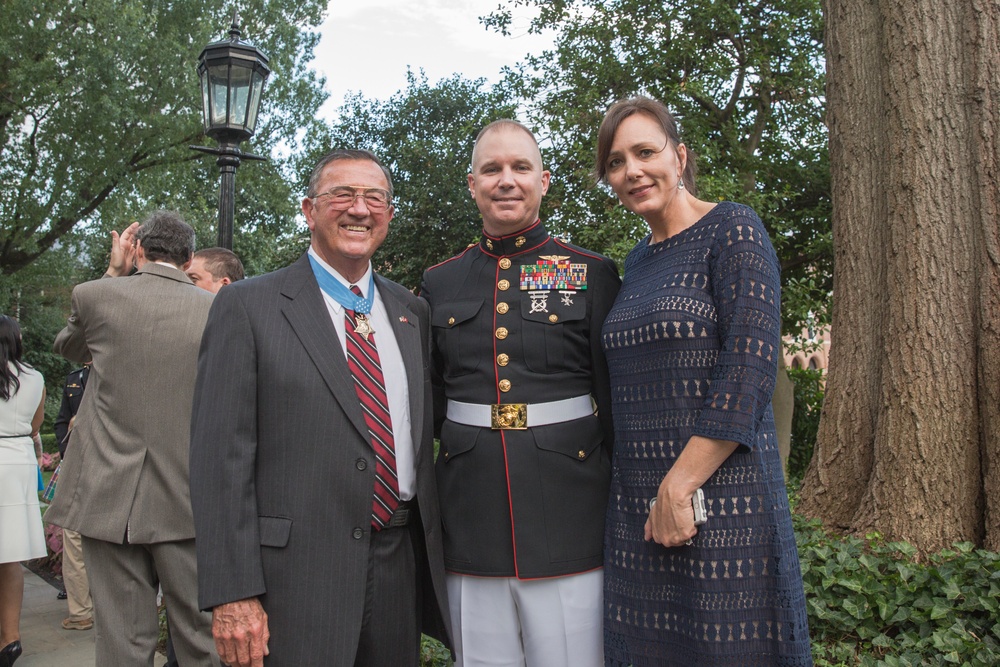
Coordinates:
(671,519)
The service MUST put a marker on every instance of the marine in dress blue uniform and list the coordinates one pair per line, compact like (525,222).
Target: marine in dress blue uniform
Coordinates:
(522,403)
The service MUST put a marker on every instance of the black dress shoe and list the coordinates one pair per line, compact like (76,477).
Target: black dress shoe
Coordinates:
(10,653)
(61,595)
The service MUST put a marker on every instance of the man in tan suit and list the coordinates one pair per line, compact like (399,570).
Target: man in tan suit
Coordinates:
(125,489)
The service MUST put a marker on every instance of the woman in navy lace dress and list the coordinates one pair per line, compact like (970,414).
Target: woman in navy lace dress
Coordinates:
(692,343)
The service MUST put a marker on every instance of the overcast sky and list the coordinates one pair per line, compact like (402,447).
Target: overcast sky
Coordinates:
(366,47)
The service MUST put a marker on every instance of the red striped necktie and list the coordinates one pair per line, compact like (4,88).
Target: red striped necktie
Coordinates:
(369,383)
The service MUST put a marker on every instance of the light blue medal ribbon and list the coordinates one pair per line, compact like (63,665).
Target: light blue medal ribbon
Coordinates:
(341,294)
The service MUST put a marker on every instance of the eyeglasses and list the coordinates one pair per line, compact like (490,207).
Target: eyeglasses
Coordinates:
(343,197)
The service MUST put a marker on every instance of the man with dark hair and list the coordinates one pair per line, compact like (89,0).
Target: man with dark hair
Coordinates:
(319,537)
(124,488)
(214,268)
(525,422)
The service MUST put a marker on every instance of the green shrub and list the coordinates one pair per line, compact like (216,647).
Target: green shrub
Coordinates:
(49,443)
(875,604)
(805,418)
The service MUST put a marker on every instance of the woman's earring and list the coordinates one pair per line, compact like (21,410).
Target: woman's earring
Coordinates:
(680,182)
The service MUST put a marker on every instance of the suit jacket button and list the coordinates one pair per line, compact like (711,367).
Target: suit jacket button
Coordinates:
(361,464)
(358,533)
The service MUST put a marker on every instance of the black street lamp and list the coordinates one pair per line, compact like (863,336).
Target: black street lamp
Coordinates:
(232,74)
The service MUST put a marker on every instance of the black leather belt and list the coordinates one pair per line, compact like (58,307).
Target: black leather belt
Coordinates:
(403,514)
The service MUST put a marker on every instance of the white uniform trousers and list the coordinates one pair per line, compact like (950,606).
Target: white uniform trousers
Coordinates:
(509,622)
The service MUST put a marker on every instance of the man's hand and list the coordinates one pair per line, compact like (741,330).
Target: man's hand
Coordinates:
(241,634)
(122,251)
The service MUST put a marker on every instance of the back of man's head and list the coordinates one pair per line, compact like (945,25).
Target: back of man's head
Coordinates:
(165,237)
(221,263)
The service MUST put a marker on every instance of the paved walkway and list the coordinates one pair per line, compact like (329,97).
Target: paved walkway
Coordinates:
(45,643)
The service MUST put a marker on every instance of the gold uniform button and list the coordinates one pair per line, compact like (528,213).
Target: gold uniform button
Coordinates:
(502,333)
(503,359)
(553,318)
(504,263)
(451,320)
(504,385)
(502,308)
(582,454)
(503,285)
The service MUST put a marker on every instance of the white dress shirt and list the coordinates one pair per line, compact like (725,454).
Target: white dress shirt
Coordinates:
(392,369)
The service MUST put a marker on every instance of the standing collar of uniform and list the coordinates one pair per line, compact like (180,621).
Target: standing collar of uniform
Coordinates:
(516,243)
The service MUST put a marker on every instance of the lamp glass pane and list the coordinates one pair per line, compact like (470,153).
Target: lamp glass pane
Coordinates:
(204,98)
(218,81)
(255,91)
(239,84)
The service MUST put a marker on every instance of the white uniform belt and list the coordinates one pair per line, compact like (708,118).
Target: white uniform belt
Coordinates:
(519,415)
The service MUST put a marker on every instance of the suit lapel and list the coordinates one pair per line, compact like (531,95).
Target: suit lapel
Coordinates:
(406,329)
(308,316)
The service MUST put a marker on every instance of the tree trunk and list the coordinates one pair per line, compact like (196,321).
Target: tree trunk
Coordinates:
(908,441)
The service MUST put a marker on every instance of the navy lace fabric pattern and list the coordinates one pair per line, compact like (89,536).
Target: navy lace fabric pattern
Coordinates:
(692,344)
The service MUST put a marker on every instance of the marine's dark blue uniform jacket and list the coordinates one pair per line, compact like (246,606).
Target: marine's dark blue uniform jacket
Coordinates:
(526,503)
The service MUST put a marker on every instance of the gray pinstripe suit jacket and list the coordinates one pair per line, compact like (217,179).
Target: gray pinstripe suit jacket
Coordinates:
(131,436)
(281,501)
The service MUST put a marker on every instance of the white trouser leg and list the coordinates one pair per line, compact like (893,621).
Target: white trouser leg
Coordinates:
(506,622)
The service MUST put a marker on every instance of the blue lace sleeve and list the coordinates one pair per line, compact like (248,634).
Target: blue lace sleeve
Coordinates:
(746,289)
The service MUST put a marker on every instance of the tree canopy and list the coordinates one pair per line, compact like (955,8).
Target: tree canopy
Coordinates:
(99,101)
(745,79)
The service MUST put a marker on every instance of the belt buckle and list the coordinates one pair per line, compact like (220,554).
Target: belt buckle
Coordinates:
(509,416)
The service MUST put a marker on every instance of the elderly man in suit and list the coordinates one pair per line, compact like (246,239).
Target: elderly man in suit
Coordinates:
(124,487)
(319,539)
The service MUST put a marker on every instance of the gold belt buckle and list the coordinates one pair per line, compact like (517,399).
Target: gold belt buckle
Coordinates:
(509,416)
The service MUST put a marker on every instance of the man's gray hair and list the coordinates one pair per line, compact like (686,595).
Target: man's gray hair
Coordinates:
(344,154)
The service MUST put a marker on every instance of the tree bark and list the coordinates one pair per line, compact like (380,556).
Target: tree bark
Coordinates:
(907,444)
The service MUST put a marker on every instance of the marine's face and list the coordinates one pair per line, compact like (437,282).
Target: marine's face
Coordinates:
(507,180)
(346,239)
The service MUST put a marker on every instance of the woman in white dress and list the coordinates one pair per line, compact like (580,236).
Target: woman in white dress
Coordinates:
(22,408)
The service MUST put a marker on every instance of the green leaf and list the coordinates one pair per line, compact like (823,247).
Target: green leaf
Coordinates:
(939,611)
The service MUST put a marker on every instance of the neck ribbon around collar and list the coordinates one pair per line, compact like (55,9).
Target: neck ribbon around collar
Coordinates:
(341,294)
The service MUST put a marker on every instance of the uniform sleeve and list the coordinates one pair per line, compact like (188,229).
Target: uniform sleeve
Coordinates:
(606,290)
(223,455)
(61,425)
(745,283)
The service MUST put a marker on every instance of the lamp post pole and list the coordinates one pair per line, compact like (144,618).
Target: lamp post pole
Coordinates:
(227,163)
(232,74)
